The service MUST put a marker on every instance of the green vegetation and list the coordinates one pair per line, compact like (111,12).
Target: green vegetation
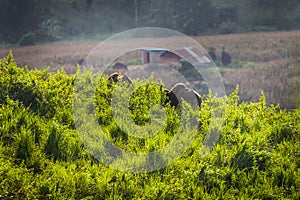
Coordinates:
(42,156)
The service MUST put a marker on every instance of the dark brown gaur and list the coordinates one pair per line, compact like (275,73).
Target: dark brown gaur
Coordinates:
(225,57)
(179,91)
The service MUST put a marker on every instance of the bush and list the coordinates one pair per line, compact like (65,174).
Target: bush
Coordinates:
(27,39)
(50,31)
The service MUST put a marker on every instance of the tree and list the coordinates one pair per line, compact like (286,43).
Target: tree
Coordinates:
(194,16)
(17,17)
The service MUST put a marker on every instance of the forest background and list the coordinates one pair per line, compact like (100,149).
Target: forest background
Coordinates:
(34,21)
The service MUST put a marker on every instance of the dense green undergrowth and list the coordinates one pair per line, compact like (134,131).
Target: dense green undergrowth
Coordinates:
(42,156)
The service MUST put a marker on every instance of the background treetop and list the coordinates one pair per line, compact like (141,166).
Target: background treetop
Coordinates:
(31,21)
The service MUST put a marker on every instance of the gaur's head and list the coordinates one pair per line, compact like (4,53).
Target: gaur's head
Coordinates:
(115,77)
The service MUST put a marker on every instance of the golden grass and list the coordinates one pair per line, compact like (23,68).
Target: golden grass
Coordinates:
(256,47)
(56,55)
(279,79)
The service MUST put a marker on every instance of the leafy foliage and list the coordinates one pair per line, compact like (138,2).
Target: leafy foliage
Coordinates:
(53,20)
(42,157)
(27,39)
(50,30)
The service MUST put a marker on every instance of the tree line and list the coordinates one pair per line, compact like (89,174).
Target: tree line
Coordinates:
(31,21)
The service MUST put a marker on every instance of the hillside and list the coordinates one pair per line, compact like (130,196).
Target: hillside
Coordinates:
(42,154)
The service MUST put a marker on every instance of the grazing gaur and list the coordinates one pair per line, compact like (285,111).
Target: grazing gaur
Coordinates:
(80,62)
(225,57)
(179,91)
(212,53)
(115,77)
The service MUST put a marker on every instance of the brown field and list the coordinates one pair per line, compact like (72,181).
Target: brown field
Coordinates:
(268,62)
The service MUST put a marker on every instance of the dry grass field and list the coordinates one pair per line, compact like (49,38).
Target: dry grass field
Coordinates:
(268,62)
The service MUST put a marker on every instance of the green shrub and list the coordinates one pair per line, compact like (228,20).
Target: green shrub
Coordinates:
(28,38)
(50,30)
